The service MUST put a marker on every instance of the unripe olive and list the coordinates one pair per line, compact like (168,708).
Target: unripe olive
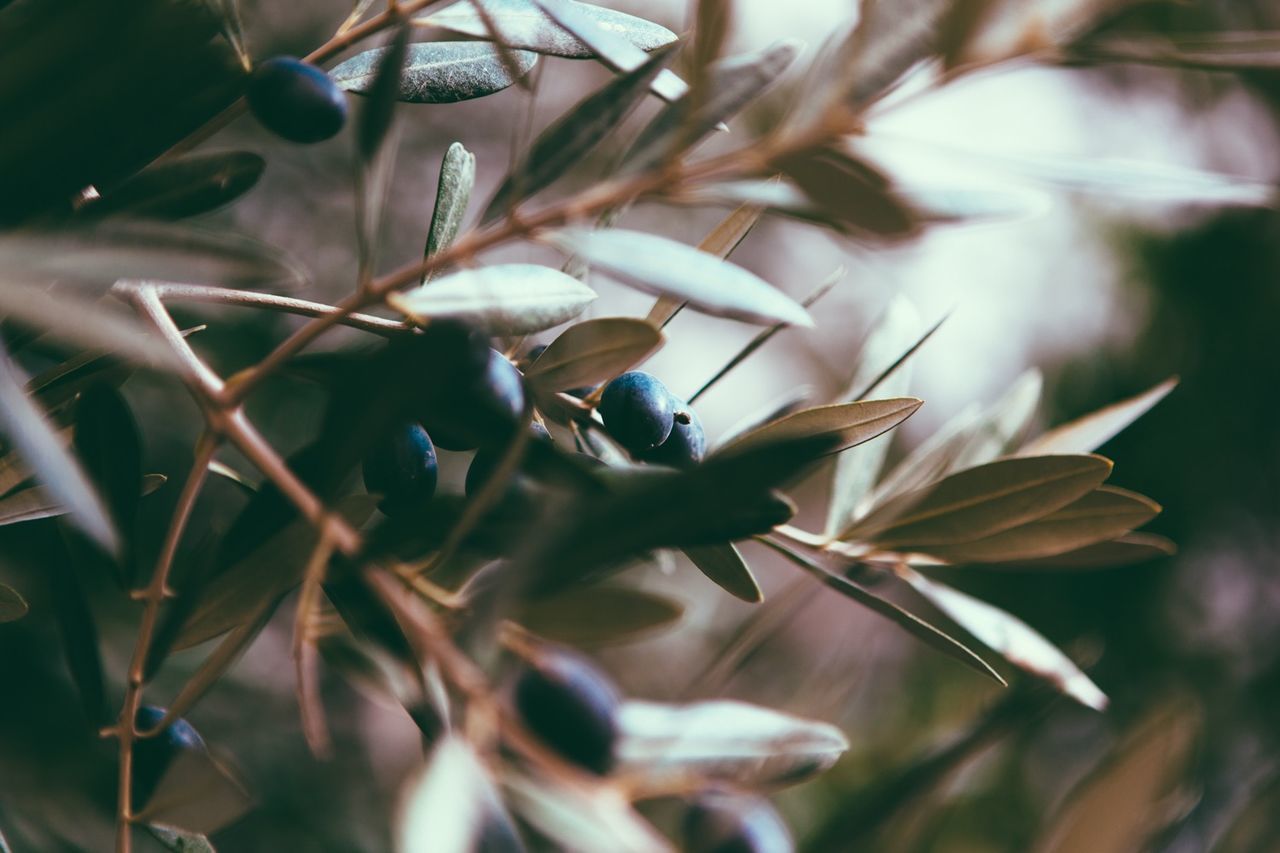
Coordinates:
(296,100)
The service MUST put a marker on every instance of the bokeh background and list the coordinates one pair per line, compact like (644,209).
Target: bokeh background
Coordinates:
(1106,293)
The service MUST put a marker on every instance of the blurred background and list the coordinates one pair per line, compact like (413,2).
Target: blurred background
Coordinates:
(1105,292)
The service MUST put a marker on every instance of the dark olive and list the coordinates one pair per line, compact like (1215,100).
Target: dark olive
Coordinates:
(402,468)
(487,458)
(153,755)
(637,410)
(296,100)
(464,413)
(687,444)
(718,822)
(572,706)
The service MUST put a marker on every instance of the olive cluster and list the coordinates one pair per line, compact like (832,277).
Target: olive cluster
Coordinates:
(652,424)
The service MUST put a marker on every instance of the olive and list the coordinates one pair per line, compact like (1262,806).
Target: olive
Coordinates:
(296,100)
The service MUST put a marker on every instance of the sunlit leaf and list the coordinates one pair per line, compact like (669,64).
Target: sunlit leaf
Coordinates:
(1012,638)
(177,841)
(453,193)
(196,794)
(598,615)
(184,187)
(29,504)
(1001,424)
(569,138)
(931,459)
(892,36)
(981,501)
(12,605)
(592,352)
(222,469)
(963,205)
(724,740)
(447,804)
(505,299)
(439,72)
(37,441)
(724,566)
(1096,429)
(849,423)
(578,818)
(523,25)
(14,472)
(666,268)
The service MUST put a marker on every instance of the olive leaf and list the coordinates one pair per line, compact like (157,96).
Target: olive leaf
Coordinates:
(941,205)
(196,794)
(453,194)
(177,841)
(1123,550)
(385,85)
(981,501)
(664,267)
(12,605)
(441,72)
(725,567)
(14,472)
(1000,425)
(77,628)
(37,441)
(505,299)
(1209,51)
(849,423)
(151,483)
(183,187)
(890,38)
(1096,429)
(724,740)
(1012,638)
(598,615)
(792,400)
(579,817)
(29,504)
(855,195)
(447,804)
(522,24)
(109,446)
(592,352)
(931,459)
(569,138)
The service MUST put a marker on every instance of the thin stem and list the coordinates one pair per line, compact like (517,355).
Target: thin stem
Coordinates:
(272,302)
(304,651)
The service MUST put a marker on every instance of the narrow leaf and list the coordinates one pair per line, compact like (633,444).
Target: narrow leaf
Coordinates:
(580,818)
(109,445)
(592,352)
(196,794)
(1001,425)
(384,88)
(793,400)
(453,193)
(77,629)
(724,566)
(891,37)
(505,299)
(446,806)
(598,615)
(664,267)
(441,72)
(522,24)
(849,424)
(184,187)
(857,196)
(12,605)
(177,841)
(29,504)
(1122,551)
(931,459)
(725,741)
(1229,51)
(1094,430)
(1010,637)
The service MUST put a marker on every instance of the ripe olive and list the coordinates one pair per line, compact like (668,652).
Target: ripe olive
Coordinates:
(403,468)
(687,444)
(637,410)
(572,706)
(296,100)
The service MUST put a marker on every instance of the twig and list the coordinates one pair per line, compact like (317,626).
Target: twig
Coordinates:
(271,302)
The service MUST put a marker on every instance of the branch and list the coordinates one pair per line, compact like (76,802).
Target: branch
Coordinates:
(271,302)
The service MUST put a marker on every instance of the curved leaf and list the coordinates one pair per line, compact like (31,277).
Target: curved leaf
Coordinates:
(666,268)
(12,605)
(506,299)
(597,615)
(447,804)
(1096,429)
(521,24)
(576,817)
(196,794)
(849,424)
(184,187)
(855,195)
(592,352)
(1121,551)
(386,83)
(442,72)
(453,194)
(724,566)
(29,504)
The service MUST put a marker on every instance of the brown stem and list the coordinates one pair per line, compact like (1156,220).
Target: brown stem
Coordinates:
(272,302)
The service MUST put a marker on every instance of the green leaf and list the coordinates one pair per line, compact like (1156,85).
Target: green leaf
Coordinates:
(77,627)
(523,25)
(598,615)
(29,504)
(981,501)
(151,483)
(505,299)
(1011,638)
(1124,550)
(592,352)
(386,84)
(856,196)
(196,794)
(145,251)
(726,741)
(849,424)
(38,443)
(14,473)
(724,566)
(109,446)
(792,400)
(563,145)
(442,72)
(666,268)
(453,194)
(446,805)
(184,187)
(891,37)
(177,841)
(1096,429)
(1001,425)
(12,605)
(1224,51)
(1102,515)
(580,817)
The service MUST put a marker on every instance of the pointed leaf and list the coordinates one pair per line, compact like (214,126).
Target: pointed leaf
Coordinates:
(1094,430)
(569,138)
(931,459)
(109,446)
(177,841)
(857,196)
(849,423)
(446,806)
(592,352)
(891,37)
(12,605)
(981,501)
(1012,638)
(196,794)
(151,483)
(523,25)
(453,193)
(966,205)
(1001,425)
(725,567)
(1229,51)
(664,267)
(598,615)
(1122,551)
(40,447)
(580,818)
(441,72)
(29,504)
(724,740)
(184,187)
(386,83)
(506,299)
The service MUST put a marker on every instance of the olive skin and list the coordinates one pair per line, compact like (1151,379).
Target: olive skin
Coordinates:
(403,468)
(718,822)
(296,100)
(463,413)
(572,707)
(638,411)
(486,459)
(152,756)
(687,444)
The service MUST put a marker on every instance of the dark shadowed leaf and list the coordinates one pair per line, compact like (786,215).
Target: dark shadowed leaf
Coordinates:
(439,72)
(385,87)
(1122,551)
(177,841)
(592,352)
(849,423)
(666,268)
(37,441)
(151,483)
(505,299)
(185,187)
(726,741)
(196,794)
(569,138)
(580,817)
(598,615)
(222,469)
(1229,51)
(793,400)
(109,446)
(853,193)
(1096,429)
(1102,515)
(1012,638)
(447,804)
(523,25)
(146,251)
(12,605)
(453,193)
(77,627)
(724,566)
(981,501)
